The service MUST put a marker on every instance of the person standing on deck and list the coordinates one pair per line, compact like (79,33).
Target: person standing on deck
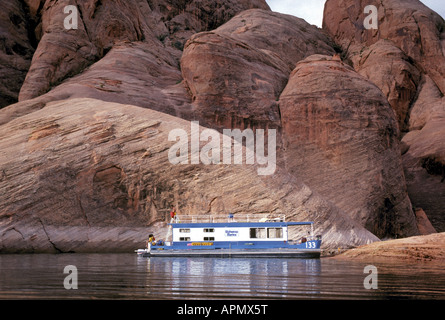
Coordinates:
(173,215)
(151,240)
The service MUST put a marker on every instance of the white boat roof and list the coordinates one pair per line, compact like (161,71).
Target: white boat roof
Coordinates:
(256,224)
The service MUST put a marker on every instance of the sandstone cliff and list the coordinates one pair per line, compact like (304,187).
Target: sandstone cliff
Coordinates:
(341,138)
(95,176)
(236,73)
(84,153)
(405,58)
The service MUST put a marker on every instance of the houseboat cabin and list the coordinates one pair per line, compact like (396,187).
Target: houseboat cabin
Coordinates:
(264,237)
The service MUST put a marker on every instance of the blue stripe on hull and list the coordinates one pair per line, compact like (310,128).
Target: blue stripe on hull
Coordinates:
(200,245)
(242,248)
(256,253)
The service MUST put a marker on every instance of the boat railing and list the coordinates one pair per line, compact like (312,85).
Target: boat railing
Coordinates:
(209,218)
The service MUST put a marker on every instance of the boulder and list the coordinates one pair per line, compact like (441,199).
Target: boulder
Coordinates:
(60,53)
(236,73)
(287,37)
(396,76)
(139,73)
(232,84)
(340,138)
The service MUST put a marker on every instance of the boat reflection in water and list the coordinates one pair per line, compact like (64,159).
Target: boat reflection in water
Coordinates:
(130,276)
(231,277)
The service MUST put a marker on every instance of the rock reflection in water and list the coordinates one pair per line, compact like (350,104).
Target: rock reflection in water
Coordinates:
(126,276)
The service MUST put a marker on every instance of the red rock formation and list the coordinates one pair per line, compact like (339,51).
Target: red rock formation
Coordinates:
(425,169)
(60,54)
(423,223)
(221,67)
(232,84)
(94,175)
(16,50)
(405,58)
(409,24)
(63,53)
(424,159)
(85,175)
(139,73)
(341,138)
(396,76)
(236,73)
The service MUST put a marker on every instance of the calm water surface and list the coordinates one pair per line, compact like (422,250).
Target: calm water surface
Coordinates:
(127,276)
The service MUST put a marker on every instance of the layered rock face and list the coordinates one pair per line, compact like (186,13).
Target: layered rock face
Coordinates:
(405,58)
(84,155)
(95,176)
(326,113)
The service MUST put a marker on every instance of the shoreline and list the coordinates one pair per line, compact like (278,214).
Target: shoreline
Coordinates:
(425,248)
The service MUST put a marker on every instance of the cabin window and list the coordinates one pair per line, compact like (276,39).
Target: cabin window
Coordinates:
(209,238)
(184,230)
(263,233)
(257,233)
(184,239)
(273,233)
(209,230)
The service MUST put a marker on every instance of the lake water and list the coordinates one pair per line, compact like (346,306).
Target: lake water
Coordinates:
(127,276)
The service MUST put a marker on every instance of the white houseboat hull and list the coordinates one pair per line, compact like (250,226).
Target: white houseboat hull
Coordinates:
(235,239)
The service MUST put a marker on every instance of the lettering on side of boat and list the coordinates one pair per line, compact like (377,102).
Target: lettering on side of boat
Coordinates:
(200,244)
(231,233)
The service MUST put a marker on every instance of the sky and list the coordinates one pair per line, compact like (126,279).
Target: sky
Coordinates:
(312,10)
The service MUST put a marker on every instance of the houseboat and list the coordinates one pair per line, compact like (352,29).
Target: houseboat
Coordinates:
(265,237)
